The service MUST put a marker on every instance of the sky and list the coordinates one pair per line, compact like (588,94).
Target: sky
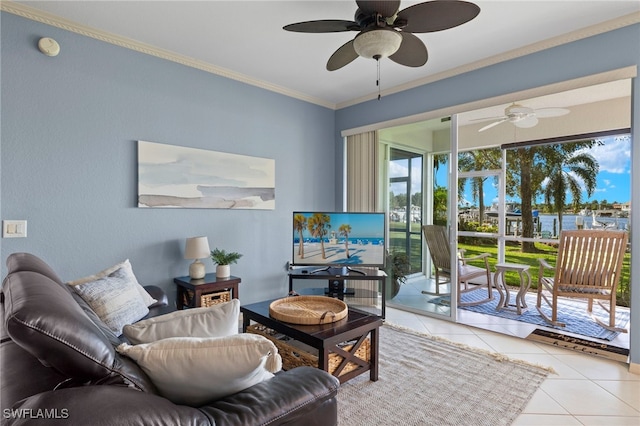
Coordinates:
(613,181)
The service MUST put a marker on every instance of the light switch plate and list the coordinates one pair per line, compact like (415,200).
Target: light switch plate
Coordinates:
(14,229)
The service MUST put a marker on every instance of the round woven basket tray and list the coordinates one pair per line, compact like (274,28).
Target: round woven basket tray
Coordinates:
(308,310)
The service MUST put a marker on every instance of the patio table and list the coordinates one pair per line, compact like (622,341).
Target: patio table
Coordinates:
(520,304)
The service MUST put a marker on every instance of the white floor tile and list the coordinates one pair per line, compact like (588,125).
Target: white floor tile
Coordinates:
(510,345)
(542,403)
(595,368)
(585,398)
(545,420)
(628,391)
(466,339)
(562,370)
(608,421)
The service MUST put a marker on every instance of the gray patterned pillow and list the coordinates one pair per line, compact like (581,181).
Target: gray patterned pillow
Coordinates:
(127,270)
(115,299)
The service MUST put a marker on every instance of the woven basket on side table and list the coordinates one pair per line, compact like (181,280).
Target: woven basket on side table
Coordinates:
(308,310)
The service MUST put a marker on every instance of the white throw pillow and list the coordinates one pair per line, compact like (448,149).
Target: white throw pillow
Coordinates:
(127,271)
(196,370)
(115,299)
(216,321)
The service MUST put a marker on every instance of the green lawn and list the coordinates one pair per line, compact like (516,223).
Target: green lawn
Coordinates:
(514,255)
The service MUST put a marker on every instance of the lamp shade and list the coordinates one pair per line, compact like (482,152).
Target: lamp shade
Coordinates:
(197,248)
(378,43)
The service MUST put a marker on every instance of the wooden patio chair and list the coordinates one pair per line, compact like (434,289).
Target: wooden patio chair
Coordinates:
(438,243)
(588,266)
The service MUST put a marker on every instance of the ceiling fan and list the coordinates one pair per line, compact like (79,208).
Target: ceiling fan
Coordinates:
(384,31)
(521,116)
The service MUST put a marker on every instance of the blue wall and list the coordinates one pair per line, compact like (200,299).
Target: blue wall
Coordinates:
(69,159)
(593,55)
(69,126)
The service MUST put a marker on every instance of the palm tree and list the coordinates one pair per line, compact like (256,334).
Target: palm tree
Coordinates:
(566,173)
(485,159)
(525,173)
(318,225)
(345,230)
(299,223)
(527,169)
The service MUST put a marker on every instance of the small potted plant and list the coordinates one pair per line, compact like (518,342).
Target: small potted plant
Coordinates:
(398,266)
(223,259)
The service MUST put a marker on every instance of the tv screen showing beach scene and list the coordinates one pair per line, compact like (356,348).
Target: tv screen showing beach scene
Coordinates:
(339,239)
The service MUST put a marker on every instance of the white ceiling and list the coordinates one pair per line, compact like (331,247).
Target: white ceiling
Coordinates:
(245,38)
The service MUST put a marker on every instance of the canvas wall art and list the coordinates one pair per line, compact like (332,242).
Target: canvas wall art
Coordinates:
(182,177)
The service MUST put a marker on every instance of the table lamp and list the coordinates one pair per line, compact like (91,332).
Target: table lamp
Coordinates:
(197,248)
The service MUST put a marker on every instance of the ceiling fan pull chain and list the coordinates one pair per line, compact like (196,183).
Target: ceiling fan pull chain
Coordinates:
(378,77)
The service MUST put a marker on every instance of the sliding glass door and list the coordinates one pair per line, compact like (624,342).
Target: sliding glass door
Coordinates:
(405,206)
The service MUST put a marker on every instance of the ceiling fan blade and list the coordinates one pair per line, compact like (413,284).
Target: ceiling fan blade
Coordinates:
(499,117)
(385,8)
(495,123)
(526,122)
(323,26)
(551,112)
(341,57)
(412,51)
(436,15)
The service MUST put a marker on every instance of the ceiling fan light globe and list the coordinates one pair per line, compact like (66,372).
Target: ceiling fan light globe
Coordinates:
(377,43)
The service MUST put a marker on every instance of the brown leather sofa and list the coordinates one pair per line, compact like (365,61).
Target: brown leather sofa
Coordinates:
(59,366)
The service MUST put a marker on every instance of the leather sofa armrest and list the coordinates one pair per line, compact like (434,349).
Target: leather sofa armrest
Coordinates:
(158,294)
(304,396)
(101,406)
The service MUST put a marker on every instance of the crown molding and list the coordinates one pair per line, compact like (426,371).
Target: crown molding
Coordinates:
(68,25)
(74,27)
(603,27)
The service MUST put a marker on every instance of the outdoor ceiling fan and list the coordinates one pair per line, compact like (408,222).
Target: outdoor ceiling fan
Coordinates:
(521,116)
(384,31)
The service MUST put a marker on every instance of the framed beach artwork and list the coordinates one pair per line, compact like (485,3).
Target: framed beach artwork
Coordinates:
(172,176)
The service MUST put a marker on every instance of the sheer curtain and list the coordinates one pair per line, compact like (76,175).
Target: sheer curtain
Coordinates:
(362,195)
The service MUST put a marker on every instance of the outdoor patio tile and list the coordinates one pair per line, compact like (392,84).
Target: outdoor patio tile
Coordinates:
(585,398)
(628,391)
(541,403)
(545,420)
(479,320)
(517,330)
(608,420)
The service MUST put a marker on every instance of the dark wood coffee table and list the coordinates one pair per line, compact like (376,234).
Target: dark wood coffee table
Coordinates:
(326,338)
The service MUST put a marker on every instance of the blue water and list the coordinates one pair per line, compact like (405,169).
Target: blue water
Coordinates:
(362,241)
(569,222)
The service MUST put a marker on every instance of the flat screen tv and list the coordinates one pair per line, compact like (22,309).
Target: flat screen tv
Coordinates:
(339,239)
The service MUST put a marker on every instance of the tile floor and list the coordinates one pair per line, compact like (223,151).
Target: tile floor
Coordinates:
(586,390)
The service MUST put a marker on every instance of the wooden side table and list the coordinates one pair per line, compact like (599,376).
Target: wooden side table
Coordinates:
(209,284)
(525,282)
